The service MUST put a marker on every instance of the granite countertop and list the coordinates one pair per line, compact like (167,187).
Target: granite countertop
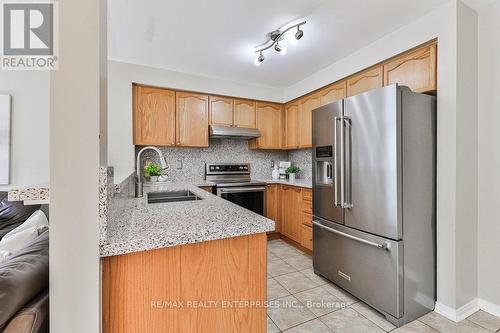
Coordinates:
(134,225)
(306,183)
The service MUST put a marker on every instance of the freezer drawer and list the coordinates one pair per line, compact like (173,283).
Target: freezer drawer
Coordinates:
(367,266)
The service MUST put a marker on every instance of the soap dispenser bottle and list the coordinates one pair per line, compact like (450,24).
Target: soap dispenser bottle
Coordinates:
(276,172)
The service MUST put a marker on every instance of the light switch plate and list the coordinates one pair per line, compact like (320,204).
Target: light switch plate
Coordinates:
(179,164)
(5,115)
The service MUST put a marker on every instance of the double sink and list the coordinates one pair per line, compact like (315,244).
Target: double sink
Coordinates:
(172,196)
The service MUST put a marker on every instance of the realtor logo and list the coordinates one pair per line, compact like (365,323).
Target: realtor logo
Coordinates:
(28,35)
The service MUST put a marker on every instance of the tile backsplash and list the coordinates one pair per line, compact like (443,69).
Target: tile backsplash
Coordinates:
(302,159)
(226,151)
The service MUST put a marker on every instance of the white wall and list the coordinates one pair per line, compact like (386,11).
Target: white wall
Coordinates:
(120,79)
(75,93)
(466,157)
(30,126)
(456,181)
(489,158)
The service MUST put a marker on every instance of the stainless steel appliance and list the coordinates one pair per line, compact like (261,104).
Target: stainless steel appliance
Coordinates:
(233,183)
(232,132)
(374,199)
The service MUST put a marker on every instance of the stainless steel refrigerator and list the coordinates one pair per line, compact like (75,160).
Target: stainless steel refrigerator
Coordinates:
(374,199)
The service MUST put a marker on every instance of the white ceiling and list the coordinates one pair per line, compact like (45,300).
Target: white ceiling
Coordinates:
(215,38)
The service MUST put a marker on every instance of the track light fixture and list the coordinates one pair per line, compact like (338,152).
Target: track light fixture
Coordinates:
(299,33)
(259,59)
(274,41)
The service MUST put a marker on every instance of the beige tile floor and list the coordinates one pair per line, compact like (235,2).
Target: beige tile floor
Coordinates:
(303,302)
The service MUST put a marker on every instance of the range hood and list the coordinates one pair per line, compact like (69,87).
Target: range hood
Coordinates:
(223,132)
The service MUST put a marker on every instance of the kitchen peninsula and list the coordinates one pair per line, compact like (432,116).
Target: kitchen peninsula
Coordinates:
(184,266)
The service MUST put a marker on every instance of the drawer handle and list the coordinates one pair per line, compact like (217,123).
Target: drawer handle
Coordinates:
(384,246)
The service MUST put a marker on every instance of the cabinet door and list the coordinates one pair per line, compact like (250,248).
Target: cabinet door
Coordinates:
(244,113)
(272,205)
(333,93)
(192,119)
(154,116)
(307,104)
(364,81)
(416,70)
(221,111)
(291,125)
(291,217)
(306,239)
(269,122)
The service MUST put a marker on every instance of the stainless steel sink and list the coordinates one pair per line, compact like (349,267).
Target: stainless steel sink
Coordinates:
(172,196)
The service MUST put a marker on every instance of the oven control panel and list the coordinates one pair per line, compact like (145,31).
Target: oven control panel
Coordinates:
(227,168)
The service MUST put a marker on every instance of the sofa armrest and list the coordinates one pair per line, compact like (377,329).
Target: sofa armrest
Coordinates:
(33,318)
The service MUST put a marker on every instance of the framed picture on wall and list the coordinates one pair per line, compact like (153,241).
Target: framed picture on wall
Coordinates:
(5,102)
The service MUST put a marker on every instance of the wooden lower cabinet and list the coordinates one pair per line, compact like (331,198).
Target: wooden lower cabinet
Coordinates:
(291,212)
(307,218)
(155,291)
(273,204)
(307,239)
(296,214)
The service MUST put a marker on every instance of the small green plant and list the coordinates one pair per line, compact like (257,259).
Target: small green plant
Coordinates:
(292,169)
(152,170)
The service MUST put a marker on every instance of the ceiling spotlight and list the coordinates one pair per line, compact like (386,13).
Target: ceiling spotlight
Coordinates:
(274,39)
(281,49)
(259,59)
(299,33)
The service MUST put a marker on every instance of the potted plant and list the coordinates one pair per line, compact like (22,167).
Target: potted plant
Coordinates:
(291,171)
(152,171)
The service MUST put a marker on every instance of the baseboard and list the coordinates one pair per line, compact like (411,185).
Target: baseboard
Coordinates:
(491,308)
(458,314)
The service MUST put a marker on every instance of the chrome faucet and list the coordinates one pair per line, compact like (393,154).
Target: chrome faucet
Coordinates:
(139,190)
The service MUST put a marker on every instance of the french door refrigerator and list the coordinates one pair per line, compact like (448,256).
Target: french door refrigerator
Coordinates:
(374,199)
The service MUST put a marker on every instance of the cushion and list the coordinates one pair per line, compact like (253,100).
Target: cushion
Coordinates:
(23,276)
(13,213)
(33,318)
(4,254)
(16,239)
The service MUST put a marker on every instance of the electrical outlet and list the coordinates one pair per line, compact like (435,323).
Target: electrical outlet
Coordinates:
(179,164)
(272,164)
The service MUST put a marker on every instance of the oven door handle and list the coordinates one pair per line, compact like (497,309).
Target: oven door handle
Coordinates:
(242,189)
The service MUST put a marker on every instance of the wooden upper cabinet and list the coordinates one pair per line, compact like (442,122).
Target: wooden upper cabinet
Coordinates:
(192,119)
(307,104)
(291,134)
(221,111)
(364,81)
(416,69)
(333,93)
(153,116)
(244,113)
(269,123)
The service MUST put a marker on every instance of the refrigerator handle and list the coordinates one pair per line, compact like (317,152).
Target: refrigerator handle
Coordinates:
(335,163)
(342,162)
(384,246)
(346,163)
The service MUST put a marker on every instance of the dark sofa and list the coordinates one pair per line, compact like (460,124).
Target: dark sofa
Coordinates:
(24,277)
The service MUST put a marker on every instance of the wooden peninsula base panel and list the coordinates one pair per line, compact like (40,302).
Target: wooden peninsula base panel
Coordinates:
(188,288)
